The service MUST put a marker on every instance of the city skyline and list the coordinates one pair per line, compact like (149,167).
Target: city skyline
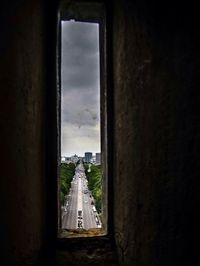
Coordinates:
(68,156)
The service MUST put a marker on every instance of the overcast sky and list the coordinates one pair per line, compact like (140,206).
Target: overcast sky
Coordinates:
(80,86)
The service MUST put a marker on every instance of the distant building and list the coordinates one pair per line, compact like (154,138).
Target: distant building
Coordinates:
(93,160)
(88,157)
(63,159)
(68,159)
(74,158)
(98,158)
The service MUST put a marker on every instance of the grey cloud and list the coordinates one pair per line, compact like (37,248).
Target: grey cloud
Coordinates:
(87,77)
(80,112)
(79,108)
(88,131)
(80,140)
(80,54)
(85,33)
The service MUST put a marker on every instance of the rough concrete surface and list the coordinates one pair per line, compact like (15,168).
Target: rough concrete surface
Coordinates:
(156,139)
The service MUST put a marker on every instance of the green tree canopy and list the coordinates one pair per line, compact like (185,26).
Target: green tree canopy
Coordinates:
(67,172)
(94,183)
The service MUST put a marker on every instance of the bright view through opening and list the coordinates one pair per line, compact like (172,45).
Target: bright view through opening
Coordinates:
(80,172)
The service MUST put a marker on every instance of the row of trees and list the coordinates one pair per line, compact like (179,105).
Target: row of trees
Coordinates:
(67,172)
(94,177)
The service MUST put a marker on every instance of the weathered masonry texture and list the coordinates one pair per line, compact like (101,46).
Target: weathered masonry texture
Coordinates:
(157,139)
(156,135)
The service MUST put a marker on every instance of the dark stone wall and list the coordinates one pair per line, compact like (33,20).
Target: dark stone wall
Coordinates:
(157,138)
(156,134)
(22,190)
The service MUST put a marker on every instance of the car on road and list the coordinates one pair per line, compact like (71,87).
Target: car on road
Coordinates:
(80,225)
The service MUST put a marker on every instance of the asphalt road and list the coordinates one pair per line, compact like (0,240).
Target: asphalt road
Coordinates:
(80,199)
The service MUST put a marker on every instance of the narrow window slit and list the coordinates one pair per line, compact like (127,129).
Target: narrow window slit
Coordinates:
(81,199)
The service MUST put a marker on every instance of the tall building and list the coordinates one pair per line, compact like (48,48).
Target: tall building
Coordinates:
(98,158)
(88,157)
